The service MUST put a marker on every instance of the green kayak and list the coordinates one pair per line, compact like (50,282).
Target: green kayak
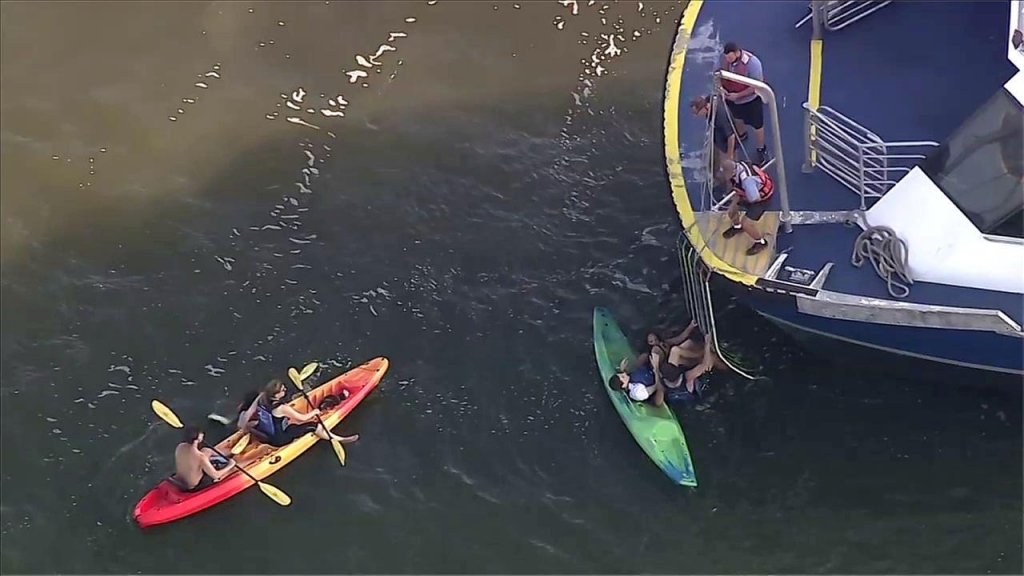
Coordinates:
(654,428)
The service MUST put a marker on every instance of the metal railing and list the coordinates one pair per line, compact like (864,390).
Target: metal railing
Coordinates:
(854,155)
(837,15)
(696,278)
(718,106)
(768,95)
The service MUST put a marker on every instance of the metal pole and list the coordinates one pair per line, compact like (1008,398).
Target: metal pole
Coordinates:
(768,95)
(808,165)
(818,19)
(817,33)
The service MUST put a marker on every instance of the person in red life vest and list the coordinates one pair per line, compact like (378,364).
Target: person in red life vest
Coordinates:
(752,187)
(746,106)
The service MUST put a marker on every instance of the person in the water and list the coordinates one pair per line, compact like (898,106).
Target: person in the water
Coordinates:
(272,418)
(196,468)
(682,372)
(241,411)
(663,347)
(642,382)
(682,360)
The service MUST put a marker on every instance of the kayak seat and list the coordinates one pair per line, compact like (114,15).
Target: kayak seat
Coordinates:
(328,402)
(173,479)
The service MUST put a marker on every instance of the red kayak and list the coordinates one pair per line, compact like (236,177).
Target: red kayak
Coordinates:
(167,502)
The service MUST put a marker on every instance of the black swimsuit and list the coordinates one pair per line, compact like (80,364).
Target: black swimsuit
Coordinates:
(673,372)
(670,372)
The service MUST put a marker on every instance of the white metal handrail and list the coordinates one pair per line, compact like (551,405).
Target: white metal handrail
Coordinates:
(855,156)
(768,96)
(837,15)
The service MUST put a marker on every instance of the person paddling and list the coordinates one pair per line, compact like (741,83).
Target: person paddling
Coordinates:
(241,411)
(197,468)
(278,424)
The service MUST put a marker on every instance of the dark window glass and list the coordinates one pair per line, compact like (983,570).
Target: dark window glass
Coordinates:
(1012,226)
(981,166)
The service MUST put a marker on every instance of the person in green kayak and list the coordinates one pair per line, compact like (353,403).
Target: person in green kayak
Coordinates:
(196,468)
(663,347)
(642,382)
(278,424)
(683,359)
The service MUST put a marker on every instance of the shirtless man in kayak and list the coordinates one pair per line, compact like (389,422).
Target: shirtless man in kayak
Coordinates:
(196,468)
(271,417)
(683,360)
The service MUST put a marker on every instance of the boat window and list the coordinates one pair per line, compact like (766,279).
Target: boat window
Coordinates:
(981,166)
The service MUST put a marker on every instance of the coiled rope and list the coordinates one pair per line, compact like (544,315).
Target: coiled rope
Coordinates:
(888,254)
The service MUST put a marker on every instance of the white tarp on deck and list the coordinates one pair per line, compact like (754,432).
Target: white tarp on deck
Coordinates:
(1015,48)
(1016,36)
(944,246)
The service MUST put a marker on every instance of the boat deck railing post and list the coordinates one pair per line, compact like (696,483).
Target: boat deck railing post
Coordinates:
(817,33)
(841,13)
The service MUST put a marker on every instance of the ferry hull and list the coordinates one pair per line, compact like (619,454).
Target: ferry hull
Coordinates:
(930,353)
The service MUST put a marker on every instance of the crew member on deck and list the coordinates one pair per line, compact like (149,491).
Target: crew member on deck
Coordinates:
(746,106)
(721,131)
(751,187)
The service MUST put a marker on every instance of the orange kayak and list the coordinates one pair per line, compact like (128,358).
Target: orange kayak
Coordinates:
(167,503)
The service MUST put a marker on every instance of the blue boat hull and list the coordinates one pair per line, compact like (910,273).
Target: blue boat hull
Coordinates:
(946,351)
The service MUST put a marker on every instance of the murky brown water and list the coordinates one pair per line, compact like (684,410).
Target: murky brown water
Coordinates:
(481,194)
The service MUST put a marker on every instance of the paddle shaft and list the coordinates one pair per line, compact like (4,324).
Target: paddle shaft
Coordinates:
(310,402)
(240,468)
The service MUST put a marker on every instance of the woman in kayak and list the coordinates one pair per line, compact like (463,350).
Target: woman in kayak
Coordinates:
(642,383)
(664,347)
(683,360)
(681,370)
(271,417)
(196,468)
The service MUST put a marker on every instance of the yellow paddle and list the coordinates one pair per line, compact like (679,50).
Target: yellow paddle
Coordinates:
(296,379)
(240,445)
(308,370)
(274,493)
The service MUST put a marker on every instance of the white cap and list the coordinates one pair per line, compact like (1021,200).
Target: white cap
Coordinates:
(638,392)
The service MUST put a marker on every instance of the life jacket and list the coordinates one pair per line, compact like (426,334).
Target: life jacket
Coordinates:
(744,170)
(266,422)
(737,67)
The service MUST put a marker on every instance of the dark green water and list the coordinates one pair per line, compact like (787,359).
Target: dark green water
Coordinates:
(463,218)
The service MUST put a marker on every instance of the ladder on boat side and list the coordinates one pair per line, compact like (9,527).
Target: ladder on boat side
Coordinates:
(696,278)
